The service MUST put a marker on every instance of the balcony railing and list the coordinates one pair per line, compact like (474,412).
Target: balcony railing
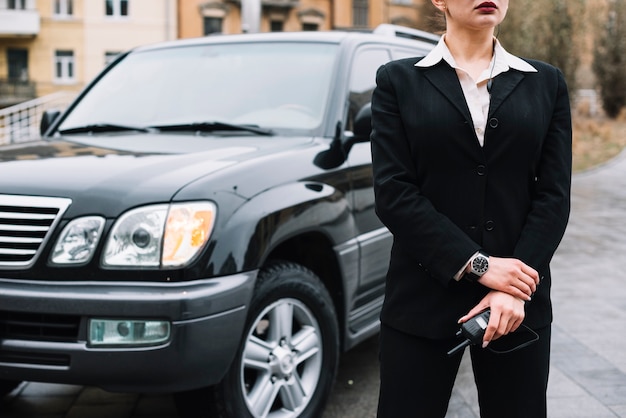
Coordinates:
(13,92)
(20,123)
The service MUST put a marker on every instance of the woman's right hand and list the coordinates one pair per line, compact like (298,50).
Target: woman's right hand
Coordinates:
(512,276)
(507,314)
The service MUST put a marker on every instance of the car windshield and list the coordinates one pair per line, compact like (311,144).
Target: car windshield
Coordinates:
(271,86)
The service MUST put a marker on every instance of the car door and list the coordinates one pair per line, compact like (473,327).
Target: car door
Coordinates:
(374,240)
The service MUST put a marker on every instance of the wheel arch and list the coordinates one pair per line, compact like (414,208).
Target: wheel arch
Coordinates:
(314,251)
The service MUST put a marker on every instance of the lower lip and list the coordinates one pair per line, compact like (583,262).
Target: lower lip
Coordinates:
(487,9)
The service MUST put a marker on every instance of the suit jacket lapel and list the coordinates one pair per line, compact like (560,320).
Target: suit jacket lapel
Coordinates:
(447,82)
(444,78)
(503,86)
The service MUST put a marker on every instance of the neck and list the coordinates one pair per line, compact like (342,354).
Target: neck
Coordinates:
(470,47)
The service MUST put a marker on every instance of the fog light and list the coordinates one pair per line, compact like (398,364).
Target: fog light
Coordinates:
(129,332)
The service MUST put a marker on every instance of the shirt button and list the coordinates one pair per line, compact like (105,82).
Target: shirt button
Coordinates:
(493,122)
(489,225)
(481,170)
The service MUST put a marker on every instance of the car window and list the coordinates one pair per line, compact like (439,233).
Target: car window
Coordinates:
(363,79)
(272,85)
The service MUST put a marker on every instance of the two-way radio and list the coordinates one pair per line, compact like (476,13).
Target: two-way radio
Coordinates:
(472,330)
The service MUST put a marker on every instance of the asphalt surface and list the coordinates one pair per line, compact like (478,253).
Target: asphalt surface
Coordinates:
(588,365)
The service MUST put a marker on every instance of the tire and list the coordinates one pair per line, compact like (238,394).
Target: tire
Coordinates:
(7,386)
(287,361)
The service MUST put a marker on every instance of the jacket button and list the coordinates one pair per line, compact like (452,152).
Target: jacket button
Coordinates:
(493,122)
(481,170)
(489,225)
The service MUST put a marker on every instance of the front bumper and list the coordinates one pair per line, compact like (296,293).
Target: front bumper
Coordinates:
(207,319)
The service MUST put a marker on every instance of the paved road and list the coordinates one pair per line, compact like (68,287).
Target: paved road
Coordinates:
(588,370)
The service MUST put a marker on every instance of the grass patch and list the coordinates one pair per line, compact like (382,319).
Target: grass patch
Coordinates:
(597,140)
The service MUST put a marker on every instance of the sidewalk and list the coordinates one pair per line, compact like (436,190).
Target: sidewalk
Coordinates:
(588,365)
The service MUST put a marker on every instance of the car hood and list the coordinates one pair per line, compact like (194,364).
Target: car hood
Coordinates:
(116,172)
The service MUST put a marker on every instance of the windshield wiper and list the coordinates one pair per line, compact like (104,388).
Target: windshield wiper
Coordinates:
(214,126)
(103,127)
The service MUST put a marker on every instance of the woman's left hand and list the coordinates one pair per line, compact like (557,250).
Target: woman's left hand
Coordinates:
(507,314)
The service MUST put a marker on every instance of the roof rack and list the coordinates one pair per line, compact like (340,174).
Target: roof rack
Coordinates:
(405,32)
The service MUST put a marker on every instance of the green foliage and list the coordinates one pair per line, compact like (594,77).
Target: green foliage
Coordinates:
(609,59)
(550,31)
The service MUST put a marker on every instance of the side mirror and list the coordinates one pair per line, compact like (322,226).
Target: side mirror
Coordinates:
(47,119)
(339,148)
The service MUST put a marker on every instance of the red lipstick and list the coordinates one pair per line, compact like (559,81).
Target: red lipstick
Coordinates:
(487,7)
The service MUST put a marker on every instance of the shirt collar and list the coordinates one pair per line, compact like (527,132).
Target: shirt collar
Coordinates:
(503,59)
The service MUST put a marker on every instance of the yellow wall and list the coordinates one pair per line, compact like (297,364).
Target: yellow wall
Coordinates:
(336,14)
(148,21)
(56,34)
(89,33)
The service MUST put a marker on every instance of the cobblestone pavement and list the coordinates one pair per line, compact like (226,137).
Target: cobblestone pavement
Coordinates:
(588,367)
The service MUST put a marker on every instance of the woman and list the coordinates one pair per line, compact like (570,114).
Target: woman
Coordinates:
(471,152)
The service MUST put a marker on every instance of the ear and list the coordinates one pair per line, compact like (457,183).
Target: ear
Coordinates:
(440,4)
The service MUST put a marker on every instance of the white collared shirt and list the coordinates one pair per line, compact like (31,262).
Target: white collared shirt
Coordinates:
(475,91)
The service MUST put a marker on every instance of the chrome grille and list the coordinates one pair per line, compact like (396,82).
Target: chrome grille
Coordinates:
(25,224)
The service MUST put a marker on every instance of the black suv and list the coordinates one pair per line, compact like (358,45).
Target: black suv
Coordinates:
(201,221)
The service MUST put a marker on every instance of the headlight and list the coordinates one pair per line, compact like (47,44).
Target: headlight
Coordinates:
(77,242)
(160,235)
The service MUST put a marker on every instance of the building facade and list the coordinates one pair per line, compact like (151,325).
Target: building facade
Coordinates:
(48,46)
(206,17)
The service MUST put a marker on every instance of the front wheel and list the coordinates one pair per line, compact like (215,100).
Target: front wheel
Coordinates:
(287,361)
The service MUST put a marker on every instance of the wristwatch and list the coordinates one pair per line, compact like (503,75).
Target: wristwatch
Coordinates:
(478,266)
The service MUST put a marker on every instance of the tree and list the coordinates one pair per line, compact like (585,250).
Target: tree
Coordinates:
(609,59)
(550,31)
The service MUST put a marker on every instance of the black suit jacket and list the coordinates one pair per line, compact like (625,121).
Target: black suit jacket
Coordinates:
(443,196)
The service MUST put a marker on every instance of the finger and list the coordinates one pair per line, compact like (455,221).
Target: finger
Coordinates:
(473,312)
(529,282)
(531,273)
(516,325)
(518,293)
(492,327)
(503,327)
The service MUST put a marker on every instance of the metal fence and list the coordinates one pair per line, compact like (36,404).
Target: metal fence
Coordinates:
(20,123)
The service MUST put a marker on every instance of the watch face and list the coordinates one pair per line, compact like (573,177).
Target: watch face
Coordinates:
(480,265)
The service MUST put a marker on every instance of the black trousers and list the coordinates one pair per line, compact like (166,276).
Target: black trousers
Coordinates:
(417,376)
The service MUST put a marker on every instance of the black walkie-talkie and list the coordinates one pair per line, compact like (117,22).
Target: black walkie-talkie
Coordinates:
(472,330)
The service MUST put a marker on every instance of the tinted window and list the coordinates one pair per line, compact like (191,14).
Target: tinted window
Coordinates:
(363,79)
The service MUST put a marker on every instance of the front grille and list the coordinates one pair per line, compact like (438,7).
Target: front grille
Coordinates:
(39,327)
(25,224)
(42,359)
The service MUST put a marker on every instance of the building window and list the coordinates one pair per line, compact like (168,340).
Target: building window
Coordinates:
(63,8)
(212,25)
(17,60)
(116,7)
(64,66)
(16,4)
(311,19)
(277,26)
(360,13)
(109,56)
